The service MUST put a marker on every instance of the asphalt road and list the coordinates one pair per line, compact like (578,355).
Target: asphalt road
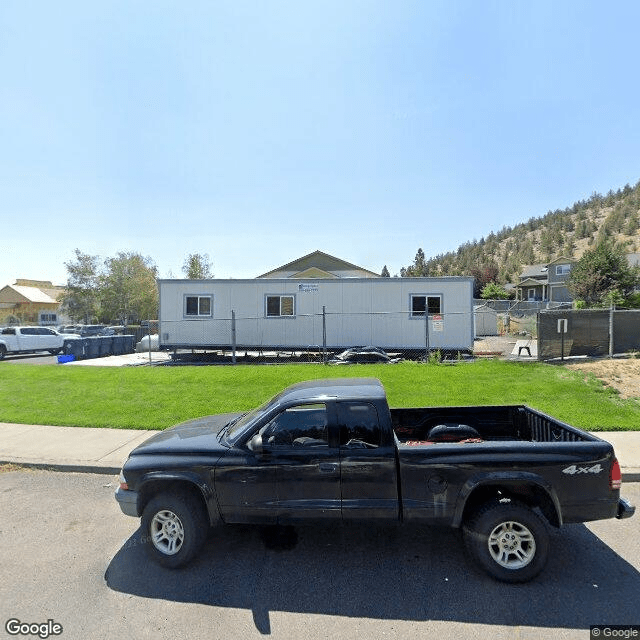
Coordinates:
(68,554)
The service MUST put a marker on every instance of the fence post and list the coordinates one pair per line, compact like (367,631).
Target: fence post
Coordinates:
(324,335)
(611,330)
(426,335)
(233,337)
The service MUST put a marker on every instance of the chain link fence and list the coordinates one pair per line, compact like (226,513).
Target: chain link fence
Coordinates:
(321,337)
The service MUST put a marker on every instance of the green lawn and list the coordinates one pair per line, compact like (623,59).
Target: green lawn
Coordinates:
(158,397)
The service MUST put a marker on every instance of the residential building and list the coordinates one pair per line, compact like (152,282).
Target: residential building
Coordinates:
(546,282)
(31,302)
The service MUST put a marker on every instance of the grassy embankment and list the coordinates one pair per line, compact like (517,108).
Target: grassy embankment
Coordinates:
(158,397)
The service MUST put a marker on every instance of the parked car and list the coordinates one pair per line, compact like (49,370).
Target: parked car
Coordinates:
(88,330)
(69,328)
(33,339)
(333,450)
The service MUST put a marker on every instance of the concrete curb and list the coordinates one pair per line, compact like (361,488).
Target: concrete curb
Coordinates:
(104,451)
(628,475)
(69,468)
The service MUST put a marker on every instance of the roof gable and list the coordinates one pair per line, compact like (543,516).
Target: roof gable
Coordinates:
(318,261)
(314,272)
(531,282)
(17,293)
(562,260)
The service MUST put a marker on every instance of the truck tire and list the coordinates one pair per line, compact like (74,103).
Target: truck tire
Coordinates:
(508,540)
(3,351)
(174,528)
(54,352)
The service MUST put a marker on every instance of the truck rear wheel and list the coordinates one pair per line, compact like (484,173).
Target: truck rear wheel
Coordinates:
(3,351)
(174,528)
(508,540)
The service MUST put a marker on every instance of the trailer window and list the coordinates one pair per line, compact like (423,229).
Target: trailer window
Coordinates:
(420,303)
(278,306)
(195,306)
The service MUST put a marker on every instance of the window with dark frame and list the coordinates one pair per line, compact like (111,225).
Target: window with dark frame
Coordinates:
(198,306)
(280,306)
(359,425)
(420,303)
(304,426)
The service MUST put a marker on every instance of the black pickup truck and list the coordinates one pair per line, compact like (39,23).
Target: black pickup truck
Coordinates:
(334,450)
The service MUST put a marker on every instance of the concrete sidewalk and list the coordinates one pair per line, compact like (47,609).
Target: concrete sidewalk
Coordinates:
(68,448)
(105,450)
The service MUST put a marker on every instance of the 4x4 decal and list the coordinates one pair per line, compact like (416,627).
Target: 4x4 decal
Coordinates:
(573,469)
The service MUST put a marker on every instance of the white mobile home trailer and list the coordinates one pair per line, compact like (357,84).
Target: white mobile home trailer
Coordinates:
(336,313)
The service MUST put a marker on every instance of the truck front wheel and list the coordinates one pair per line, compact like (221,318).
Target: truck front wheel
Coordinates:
(508,540)
(3,351)
(174,528)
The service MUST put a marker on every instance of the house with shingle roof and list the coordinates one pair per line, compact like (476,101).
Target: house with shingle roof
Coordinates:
(546,282)
(30,302)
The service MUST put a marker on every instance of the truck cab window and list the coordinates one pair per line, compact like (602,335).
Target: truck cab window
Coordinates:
(359,425)
(297,427)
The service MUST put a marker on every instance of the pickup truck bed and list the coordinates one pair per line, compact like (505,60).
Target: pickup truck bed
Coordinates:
(529,451)
(491,424)
(333,449)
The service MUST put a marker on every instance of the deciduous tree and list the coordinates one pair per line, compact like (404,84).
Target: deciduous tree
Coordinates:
(494,291)
(81,299)
(128,288)
(197,266)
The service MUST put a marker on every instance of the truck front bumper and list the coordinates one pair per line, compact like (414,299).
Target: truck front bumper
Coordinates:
(625,509)
(128,501)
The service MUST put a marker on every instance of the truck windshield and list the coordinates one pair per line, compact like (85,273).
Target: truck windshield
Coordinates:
(237,427)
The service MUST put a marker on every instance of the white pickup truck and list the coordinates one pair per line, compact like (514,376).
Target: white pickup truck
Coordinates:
(32,339)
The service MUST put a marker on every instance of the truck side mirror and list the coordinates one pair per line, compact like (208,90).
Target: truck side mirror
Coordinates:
(255,444)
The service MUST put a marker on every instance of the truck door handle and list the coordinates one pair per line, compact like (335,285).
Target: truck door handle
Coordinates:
(328,467)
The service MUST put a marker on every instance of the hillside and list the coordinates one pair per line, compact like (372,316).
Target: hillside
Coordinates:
(567,232)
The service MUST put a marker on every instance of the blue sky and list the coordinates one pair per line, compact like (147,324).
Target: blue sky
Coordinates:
(257,132)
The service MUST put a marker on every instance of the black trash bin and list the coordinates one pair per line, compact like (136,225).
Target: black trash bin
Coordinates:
(117,347)
(74,348)
(91,347)
(129,344)
(105,343)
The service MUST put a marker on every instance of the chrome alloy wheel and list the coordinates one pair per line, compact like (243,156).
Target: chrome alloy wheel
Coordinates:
(512,545)
(167,532)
